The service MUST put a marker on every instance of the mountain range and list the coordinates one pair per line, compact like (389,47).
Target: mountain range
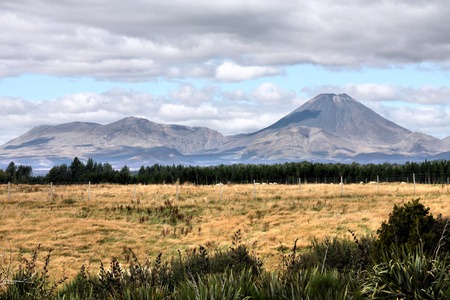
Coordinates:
(327,128)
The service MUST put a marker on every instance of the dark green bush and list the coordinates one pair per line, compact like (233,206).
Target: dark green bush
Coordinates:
(409,225)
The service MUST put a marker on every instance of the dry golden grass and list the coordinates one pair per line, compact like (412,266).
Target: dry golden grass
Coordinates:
(79,230)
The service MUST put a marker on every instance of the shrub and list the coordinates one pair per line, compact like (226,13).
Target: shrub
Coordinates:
(408,225)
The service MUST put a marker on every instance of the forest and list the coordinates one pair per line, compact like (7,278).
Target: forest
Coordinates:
(79,172)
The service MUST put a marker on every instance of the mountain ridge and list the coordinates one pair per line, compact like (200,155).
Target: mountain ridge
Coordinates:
(329,127)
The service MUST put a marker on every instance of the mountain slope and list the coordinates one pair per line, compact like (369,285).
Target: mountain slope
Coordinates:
(343,116)
(119,141)
(329,127)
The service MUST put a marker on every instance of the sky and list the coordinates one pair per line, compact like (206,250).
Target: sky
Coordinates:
(235,66)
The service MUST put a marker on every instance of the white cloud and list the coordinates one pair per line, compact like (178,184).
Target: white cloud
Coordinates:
(270,94)
(229,71)
(266,96)
(426,95)
(188,94)
(431,120)
(179,113)
(429,95)
(237,95)
(15,106)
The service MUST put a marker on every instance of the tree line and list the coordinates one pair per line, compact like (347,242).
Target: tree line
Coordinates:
(78,172)
(16,174)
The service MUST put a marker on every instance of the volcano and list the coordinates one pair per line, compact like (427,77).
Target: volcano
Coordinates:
(344,116)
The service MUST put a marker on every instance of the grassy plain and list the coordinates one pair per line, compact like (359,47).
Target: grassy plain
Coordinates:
(151,220)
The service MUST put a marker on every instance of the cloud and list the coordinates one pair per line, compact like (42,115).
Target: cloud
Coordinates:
(122,41)
(16,117)
(427,95)
(423,119)
(237,95)
(184,113)
(371,92)
(270,94)
(188,94)
(229,71)
(266,95)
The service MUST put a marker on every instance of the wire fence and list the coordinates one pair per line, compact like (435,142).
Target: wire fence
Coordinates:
(413,180)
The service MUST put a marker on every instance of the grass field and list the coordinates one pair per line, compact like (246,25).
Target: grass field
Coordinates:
(151,220)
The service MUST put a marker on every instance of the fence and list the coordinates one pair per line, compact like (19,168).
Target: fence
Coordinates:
(342,181)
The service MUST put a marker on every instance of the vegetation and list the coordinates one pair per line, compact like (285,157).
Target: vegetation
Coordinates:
(16,174)
(411,225)
(237,273)
(410,274)
(77,172)
(280,250)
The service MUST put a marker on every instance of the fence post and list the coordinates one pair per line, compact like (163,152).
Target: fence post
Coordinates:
(254,188)
(414,180)
(342,187)
(135,192)
(9,191)
(177,190)
(221,191)
(51,191)
(89,192)
(378,184)
(299,186)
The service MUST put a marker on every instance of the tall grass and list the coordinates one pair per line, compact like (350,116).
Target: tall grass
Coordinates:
(223,275)
(409,275)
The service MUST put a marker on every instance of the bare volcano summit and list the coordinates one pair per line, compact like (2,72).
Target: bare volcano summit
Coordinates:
(328,128)
(344,116)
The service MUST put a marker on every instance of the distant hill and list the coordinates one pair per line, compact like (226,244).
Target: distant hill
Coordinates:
(328,128)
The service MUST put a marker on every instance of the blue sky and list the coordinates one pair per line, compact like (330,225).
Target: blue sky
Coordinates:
(295,77)
(234,66)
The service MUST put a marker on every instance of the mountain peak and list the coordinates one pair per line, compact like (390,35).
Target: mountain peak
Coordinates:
(132,120)
(333,98)
(342,115)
